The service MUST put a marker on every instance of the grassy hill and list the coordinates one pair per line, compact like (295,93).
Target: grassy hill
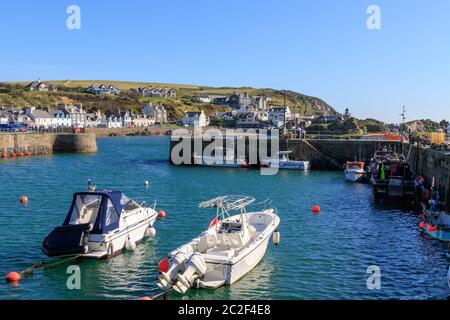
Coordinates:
(73,91)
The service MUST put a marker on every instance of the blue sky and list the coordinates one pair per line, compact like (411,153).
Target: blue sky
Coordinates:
(320,48)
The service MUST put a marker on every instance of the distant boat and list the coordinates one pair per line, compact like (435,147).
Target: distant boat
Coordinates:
(220,157)
(100,224)
(282,160)
(230,248)
(354,171)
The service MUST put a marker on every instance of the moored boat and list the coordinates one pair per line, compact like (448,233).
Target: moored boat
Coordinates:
(354,171)
(435,221)
(392,177)
(220,157)
(282,161)
(230,248)
(100,224)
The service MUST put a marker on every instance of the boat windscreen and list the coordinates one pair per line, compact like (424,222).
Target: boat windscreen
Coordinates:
(85,209)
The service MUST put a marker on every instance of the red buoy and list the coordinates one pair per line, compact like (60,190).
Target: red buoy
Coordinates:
(145,298)
(163,265)
(422,225)
(28,153)
(432,228)
(4,155)
(315,208)
(13,155)
(161,214)
(23,199)
(244,164)
(20,154)
(13,277)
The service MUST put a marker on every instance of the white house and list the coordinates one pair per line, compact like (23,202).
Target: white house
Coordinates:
(41,118)
(279,115)
(196,119)
(77,115)
(158,113)
(60,119)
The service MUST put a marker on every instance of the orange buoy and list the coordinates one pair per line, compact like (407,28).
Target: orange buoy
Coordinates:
(244,164)
(161,214)
(23,199)
(13,155)
(315,208)
(13,277)
(145,298)
(4,155)
(422,225)
(28,153)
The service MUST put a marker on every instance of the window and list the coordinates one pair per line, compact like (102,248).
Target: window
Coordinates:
(85,209)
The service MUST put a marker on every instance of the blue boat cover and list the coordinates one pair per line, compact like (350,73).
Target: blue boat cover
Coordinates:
(104,207)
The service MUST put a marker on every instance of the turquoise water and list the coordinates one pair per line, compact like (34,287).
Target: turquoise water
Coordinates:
(320,256)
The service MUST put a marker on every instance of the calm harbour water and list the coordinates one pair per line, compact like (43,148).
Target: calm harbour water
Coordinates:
(320,256)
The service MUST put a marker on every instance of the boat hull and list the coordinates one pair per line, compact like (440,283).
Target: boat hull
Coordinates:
(442,235)
(354,176)
(111,245)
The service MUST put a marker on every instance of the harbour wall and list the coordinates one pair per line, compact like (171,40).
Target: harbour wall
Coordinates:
(47,143)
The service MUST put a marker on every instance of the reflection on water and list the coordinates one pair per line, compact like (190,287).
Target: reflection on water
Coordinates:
(321,256)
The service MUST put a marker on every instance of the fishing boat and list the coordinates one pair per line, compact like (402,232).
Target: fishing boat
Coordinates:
(381,154)
(229,249)
(393,178)
(435,221)
(354,171)
(220,157)
(282,161)
(100,224)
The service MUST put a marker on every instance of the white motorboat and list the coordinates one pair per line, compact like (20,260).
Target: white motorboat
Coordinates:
(100,224)
(282,160)
(230,248)
(220,157)
(354,171)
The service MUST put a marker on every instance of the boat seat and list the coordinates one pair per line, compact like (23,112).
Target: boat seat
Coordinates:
(230,240)
(218,254)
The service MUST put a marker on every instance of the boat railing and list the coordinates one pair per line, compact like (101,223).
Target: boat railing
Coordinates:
(227,202)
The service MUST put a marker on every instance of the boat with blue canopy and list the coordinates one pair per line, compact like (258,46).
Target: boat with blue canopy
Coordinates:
(100,224)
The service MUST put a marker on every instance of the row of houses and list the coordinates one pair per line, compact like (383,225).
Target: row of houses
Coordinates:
(236,100)
(76,117)
(108,90)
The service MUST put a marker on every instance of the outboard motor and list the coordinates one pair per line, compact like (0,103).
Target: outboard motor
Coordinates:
(195,268)
(165,278)
(67,240)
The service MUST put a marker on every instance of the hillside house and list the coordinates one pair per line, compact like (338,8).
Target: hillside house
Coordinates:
(194,119)
(41,86)
(103,89)
(158,113)
(278,116)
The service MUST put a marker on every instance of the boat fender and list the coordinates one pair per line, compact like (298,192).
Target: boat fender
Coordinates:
(130,245)
(176,264)
(276,238)
(91,227)
(86,248)
(195,268)
(150,232)
(422,225)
